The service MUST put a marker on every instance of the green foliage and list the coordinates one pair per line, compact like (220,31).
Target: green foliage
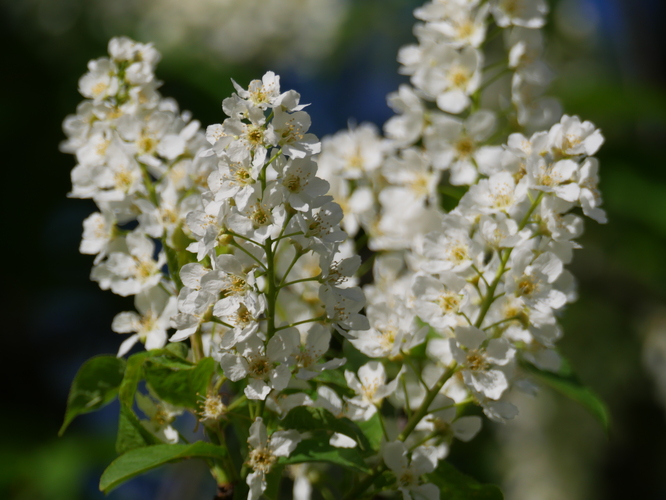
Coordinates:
(566,382)
(317,449)
(141,460)
(304,419)
(454,485)
(177,382)
(131,434)
(273,481)
(372,430)
(133,374)
(94,386)
(333,377)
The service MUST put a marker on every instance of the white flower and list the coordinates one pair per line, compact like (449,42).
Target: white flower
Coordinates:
(243,313)
(408,471)
(571,137)
(557,178)
(370,387)
(235,179)
(498,193)
(444,73)
(439,302)
(313,344)
(128,273)
(260,364)
(478,361)
(261,93)
(531,279)
(98,231)
(343,306)
(442,417)
(353,153)
(289,132)
(393,330)
(459,25)
(264,452)
(406,127)
(590,198)
(101,81)
(156,308)
(455,145)
(526,13)
(300,184)
(451,248)
(412,171)
(160,414)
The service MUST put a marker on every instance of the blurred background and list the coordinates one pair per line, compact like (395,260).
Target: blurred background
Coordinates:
(340,55)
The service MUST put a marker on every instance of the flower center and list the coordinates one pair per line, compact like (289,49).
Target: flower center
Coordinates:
(262,459)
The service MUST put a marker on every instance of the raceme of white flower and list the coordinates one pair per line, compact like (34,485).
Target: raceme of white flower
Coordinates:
(482,283)
(246,283)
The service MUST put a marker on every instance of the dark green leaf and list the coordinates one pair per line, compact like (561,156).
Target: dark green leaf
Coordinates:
(317,449)
(566,382)
(131,434)
(307,418)
(454,485)
(94,386)
(332,377)
(273,480)
(133,374)
(178,383)
(136,462)
(372,430)
(178,349)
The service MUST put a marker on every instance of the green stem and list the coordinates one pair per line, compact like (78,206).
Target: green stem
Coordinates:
(492,79)
(430,397)
(318,318)
(239,401)
(197,346)
(430,436)
(236,235)
(297,256)
(490,294)
(382,423)
(247,252)
(314,278)
(356,492)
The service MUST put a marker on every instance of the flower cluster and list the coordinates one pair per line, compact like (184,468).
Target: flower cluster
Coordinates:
(235,251)
(226,237)
(138,159)
(480,284)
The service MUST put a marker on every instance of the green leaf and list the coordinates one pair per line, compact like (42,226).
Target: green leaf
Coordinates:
(566,382)
(454,485)
(94,386)
(332,377)
(133,374)
(179,383)
(131,434)
(307,418)
(141,460)
(273,480)
(372,430)
(317,449)
(178,349)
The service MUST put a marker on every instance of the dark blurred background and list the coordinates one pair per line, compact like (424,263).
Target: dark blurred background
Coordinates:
(609,60)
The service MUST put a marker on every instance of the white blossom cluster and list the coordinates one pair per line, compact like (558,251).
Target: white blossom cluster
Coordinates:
(482,284)
(230,241)
(226,237)
(138,159)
